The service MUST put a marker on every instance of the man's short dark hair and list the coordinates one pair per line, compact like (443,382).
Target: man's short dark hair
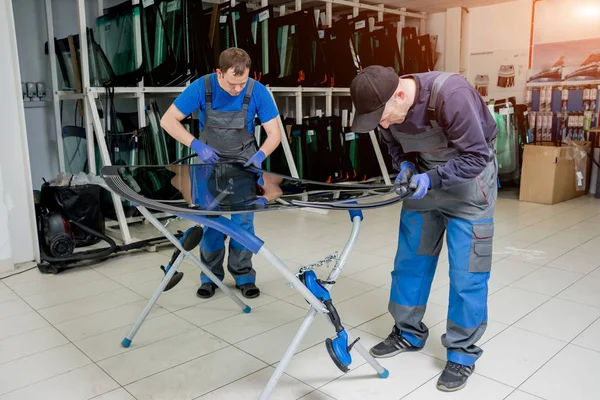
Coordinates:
(234,58)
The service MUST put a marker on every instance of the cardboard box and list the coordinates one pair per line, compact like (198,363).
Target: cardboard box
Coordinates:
(548,174)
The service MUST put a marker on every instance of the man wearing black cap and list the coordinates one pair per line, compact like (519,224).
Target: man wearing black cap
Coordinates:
(441,138)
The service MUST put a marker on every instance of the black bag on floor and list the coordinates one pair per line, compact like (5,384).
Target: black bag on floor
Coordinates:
(76,203)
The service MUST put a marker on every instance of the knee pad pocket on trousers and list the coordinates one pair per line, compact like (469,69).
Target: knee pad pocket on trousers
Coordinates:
(480,259)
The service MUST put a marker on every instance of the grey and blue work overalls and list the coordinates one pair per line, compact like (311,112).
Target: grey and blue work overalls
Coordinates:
(465,212)
(227,132)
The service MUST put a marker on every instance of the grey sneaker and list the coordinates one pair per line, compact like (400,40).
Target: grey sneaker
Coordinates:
(393,345)
(454,377)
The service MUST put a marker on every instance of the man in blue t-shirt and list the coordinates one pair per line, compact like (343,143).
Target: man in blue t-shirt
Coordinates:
(227,101)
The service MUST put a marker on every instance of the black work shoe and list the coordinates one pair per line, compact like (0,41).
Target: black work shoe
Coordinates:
(206,290)
(393,345)
(454,377)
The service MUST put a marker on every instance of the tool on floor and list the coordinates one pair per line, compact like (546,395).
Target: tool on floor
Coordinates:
(338,348)
(189,240)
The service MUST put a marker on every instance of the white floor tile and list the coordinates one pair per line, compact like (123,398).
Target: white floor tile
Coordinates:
(270,346)
(515,354)
(251,387)
(38,367)
(509,305)
(316,395)
(364,308)
(591,246)
(119,394)
(376,276)
(589,337)
(531,234)
(567,239)
(478,387)
(279,289)
(14,307)
(441,277)
(440,296)
(572,374)
(577,260)
(240,327)
(407,372)
(519,395)
(507,271)
(31,275)
(6,294)
(388,251)
(540,251)
(584,291)
(219,309)
(21,323)
(560,319)
(89,305)
(507,246)
(29,343)
(361,261)
(105,321)
(128,263)
(108,344)
(538,254)
(62,281)
(160,356)
(198,377)
(548,281)
(80,384)
(71,294)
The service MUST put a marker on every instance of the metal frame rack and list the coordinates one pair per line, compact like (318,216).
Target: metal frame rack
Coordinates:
(90,94)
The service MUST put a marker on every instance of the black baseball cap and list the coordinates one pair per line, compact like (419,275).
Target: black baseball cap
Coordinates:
(370,91)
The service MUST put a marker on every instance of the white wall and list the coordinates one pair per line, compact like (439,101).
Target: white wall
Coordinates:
(499,35)
(32,34)
(436,25)
(14,157)
(491,36)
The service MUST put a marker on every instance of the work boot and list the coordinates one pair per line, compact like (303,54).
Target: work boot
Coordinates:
(393,345)
(454,377)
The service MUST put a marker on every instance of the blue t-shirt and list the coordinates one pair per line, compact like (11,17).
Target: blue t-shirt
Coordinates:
(193,98)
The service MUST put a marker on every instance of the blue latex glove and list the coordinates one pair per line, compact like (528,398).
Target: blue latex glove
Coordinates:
(205,153)
(261,202)
(407,171)
(256,160)
(421,183)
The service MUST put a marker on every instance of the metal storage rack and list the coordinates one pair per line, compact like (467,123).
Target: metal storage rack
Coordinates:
(90,94)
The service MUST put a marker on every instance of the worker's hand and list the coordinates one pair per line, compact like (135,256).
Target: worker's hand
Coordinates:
(205,153)
(256,160)
(420,183)
(407,171)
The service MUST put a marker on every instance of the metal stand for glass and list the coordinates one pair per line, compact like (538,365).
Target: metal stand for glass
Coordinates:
(256,245)
(314,291)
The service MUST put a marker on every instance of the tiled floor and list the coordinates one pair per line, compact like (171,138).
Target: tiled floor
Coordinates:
(60,335)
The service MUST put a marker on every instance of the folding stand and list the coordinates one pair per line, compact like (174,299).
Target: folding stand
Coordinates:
(256,245)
